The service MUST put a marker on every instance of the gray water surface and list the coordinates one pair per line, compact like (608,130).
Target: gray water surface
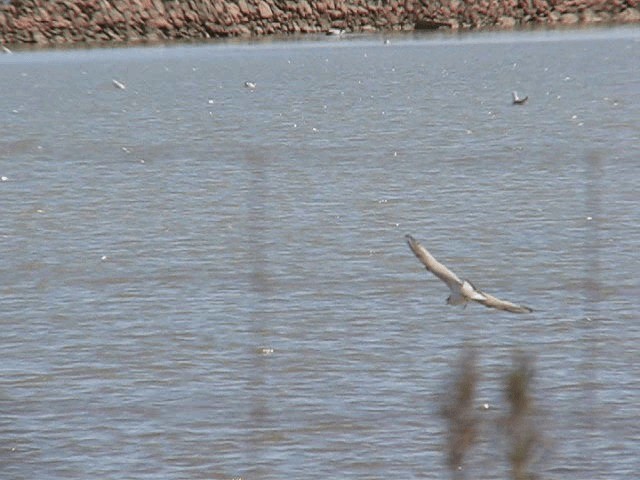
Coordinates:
(199,280)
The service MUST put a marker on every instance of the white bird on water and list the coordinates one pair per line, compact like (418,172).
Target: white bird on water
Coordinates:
(462,291)
(250,85)
(336,32)
(517,100)
(118,84)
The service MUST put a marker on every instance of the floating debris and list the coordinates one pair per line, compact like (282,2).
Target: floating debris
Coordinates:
(265,350)
(6,50)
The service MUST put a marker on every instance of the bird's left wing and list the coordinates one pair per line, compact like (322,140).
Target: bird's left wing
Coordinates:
(434,266)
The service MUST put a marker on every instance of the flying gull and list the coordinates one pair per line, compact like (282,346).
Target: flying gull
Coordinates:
(517,100)
(462,291)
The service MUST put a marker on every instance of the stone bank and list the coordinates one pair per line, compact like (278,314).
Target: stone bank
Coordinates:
(50,22)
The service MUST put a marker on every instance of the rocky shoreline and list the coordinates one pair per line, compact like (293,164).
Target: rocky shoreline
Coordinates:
(53,22)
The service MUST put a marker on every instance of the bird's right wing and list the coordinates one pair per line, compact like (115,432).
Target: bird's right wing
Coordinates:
(434,266)
(493,302)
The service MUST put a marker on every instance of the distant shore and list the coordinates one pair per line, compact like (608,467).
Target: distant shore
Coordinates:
(56,22)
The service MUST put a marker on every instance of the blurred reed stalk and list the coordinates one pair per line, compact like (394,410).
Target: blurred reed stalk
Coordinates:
(522,435)
(460,414)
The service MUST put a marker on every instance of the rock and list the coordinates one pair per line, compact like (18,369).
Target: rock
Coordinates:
(234,12)
(629,15)
(264,10)
(506,22)
(569,18)
(589,16)
(160,23)
(429,24)
(305,9)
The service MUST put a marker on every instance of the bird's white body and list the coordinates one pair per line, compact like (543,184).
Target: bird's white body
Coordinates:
(464,294)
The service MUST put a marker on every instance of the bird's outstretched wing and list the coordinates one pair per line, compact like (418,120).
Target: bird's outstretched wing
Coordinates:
(490,301)
(434,266)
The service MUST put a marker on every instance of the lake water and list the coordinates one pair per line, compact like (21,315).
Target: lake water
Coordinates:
(200,280)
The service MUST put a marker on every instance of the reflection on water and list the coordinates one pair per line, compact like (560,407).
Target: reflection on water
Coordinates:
(206,281)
